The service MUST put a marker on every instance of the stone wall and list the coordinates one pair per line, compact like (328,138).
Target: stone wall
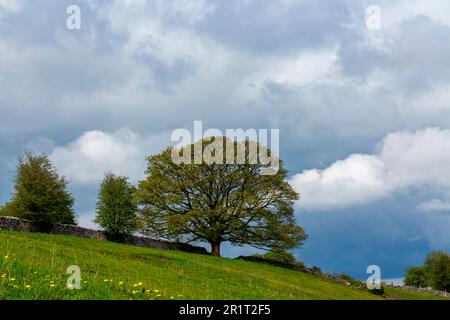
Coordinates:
(16,224)
(424,290)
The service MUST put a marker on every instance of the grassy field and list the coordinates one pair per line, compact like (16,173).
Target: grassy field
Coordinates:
(33,266)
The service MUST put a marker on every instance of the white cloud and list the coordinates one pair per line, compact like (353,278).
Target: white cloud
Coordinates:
(123,152)
(11,5)
(434,205)
(357,179)
(405,160)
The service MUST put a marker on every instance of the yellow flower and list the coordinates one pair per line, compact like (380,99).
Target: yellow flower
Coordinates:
(120,283)
(172,298)
(28,286)
(4,275)
(148,291)
(135,285)
(156,291)
(134,292)
(106,280)
(12,279)
(158,295)
(6,257)
(140,284)
(52,285)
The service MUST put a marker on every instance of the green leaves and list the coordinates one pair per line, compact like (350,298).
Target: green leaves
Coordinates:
(116,207)
(40,193)
(218,203)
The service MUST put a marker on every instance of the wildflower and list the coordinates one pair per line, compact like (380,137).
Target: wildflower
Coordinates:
(28,286)
(120,283)
(4,275)
(134,292)
(52,285)
(135,285)
(158,295)
(6,257)
(156,291)
(12,279)
(106,280)
(140,284)
(172,297)
(148,291)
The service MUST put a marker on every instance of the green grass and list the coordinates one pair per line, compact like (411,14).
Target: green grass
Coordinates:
(411,295)
(33,266)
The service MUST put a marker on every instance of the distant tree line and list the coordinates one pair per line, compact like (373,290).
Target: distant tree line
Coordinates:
(212,203)
(435,272)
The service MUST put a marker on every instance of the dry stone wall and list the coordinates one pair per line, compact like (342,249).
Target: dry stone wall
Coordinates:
(16,224)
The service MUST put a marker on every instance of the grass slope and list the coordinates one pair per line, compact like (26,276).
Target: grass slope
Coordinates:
(33,266)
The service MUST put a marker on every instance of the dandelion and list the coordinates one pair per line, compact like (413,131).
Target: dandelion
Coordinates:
(4,275)
(140,284)
(12,279)
(156,290)
(52,285)
(135,285)
(172,298)
(28,286)
(134,292)
(6,257)
(120,283)
(148,291)
(106,280)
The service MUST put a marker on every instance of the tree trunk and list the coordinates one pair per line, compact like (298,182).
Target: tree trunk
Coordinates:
(215,249)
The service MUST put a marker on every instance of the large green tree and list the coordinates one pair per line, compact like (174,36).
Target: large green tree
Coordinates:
(40,194)
(437,264)
(116,207)
(221,201)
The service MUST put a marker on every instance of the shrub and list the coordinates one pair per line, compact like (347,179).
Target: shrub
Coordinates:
(316,269)
(116,207)
(281,256)
(416,277)
(378,292)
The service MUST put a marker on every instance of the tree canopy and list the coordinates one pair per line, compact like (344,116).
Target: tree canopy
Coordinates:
(40,194)
(221,201)
(116,207)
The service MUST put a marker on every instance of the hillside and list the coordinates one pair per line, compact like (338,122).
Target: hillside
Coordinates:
(33,266)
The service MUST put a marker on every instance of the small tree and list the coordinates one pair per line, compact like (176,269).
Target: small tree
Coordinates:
(438,267)
(40,193)
(221,201)
(116,207)
(416,277)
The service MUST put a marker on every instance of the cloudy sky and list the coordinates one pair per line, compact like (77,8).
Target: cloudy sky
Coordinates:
(363,113)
